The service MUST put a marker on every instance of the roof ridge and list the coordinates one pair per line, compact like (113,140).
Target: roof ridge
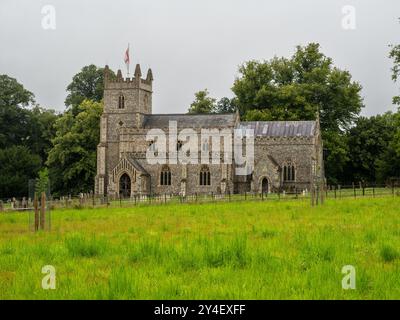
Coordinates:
(191,114)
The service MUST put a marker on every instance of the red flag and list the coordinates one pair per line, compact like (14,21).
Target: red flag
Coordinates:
(126,58)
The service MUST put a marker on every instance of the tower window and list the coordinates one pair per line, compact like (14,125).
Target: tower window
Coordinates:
(205,176)
(165,176)
(121,102)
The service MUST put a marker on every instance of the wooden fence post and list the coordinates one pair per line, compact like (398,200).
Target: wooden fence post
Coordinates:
(35,205)
(43,211)
(312,194)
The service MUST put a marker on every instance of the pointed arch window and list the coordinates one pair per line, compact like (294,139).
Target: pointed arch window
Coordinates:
(289,172)
(165,176)
(205,176)
(121,102)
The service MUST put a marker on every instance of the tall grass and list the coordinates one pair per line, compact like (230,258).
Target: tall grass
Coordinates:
(251,250)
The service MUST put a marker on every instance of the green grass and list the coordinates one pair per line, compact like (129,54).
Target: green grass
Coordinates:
(237,250)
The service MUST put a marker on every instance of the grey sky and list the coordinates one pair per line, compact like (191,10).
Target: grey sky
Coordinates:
(193,44)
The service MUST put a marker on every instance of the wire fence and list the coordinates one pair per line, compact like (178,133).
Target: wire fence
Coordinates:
(90,200)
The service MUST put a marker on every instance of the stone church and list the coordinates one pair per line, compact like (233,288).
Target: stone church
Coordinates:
(287,154)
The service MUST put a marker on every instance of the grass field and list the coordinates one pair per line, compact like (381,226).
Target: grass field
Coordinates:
(243,250)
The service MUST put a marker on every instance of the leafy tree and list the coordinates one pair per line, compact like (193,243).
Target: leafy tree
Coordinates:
(72,160)
(369,141)
(12,93)
(202,103)
(225,105)
(42,130)
(336,156)
(395,55)
(298,88)
(25,135)
(14,118)
(87,84)
(43,182)
(18,165)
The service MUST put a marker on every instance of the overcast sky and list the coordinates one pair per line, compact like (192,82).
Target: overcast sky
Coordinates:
(193,44)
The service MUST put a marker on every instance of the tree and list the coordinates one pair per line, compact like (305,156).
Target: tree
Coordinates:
(42,130)
(202,103)
(72,160)
(225,105)
(369,141)
(18,166)
(12,93)
(395,55)
(87,84)
(298,88)
(43,182)
(14,118)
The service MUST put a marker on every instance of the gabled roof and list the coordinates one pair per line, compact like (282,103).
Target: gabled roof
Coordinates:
(137,165)
(190,120)
(280,128)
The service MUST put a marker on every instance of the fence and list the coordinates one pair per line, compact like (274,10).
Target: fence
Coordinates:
(89,200)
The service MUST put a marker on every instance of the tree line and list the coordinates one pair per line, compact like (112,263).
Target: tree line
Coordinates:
(36,142)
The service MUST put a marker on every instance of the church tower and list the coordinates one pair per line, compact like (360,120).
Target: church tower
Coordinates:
(126,102)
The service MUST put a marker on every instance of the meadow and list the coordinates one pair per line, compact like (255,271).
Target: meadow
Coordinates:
(231,250)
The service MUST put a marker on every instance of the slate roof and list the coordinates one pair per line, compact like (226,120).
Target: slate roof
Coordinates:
(280,128)
(261,128)
(135,163)
(190,120)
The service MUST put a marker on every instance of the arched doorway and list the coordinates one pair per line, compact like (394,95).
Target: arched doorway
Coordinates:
(125,186)
(264,185)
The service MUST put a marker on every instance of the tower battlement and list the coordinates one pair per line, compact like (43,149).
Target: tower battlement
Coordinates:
(128,83)
(128,95)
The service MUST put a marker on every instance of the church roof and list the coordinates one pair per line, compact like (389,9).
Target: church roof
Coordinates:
(280,128)
(135,163)
(190,120)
